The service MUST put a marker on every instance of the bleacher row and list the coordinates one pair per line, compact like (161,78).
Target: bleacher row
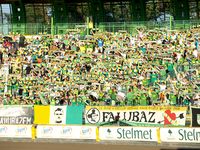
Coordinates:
(149,68)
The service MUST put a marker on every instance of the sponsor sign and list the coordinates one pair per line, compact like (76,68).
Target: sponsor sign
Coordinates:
(16,131)
(128,133)
(195,117)
(16,115)
(145,115)
(180,135)
(66,132)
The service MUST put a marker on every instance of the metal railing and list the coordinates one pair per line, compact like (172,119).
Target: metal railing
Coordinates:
(62,28)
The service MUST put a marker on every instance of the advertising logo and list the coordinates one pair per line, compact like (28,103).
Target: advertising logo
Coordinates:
(66,131)
(86,131)
(109,134)
(47,130)
(168,134)
(3,130)
(93,115)
(21,130)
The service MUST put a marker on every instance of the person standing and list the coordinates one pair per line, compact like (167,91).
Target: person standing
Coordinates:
(1,56)
(196,43)
(21,40)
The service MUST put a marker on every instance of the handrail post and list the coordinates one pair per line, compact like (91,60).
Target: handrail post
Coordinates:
(52,26)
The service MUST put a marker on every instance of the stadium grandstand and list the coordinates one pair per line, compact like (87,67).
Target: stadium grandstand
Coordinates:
(94,63)
(120,61)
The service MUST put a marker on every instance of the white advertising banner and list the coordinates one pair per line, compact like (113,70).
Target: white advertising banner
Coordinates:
(66,132)
(16,131)
(180,135)
(128,133)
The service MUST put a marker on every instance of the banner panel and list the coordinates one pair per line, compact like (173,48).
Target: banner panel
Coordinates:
(66,132)
(128,133)
(16,114)
(141,115)
(16,131)
(41,114)
(58,114)
(195,116)
(186,135)
(75,115)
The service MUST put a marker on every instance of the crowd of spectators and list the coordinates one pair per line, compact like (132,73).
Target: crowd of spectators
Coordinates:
(152,67)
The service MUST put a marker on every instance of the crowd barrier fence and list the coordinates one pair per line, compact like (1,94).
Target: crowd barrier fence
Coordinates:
(158,116)
(63,28)
(22,122)
(102,134)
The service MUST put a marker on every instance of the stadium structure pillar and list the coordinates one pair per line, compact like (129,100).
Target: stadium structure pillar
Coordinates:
(138,9)
(60,16)
(1,18)
(181,9)
(18,17)
(96,10)
(197,9)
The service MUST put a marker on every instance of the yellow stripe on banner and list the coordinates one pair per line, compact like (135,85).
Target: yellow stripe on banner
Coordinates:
(33,132)
(128,108)
(97,134)
(41,114)
(158,135)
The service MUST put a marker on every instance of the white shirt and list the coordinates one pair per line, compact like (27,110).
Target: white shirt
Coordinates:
(195,53)
(162,87)
(178,56)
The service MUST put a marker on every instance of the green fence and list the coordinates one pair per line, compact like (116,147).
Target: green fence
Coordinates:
(58,28)
(150,25)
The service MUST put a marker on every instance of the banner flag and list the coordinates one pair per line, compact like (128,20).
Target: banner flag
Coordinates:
(16,114)
(137,115)
(58,114)
(195,117)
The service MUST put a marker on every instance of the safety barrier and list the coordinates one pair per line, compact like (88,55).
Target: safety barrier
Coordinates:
(63,28)
(154,116)
(102,134)
(26,122)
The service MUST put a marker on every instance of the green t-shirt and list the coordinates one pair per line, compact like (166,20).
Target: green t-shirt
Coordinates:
(66,42)
(170,67)
(153,77)
(53,102)
(113,96)
(130,96)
